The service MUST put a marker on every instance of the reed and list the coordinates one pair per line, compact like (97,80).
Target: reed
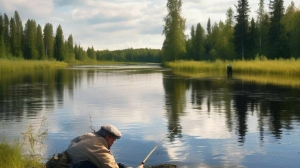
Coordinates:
(289,67)
(21,65)
(11,157)
(24,154)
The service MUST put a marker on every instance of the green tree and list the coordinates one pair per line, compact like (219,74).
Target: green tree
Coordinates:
(12,35)
(213,38)
(252,40)
(30,43)
(260,17)
(40,43)
(59,51)
(241,27)
(18,35)
(208,27)
(48,41)
(2,44)
(208,42)
(6,35)
(291,21)
(228,36)
(174,44)
(191,44)
(229,17)
(70,48)
(199,43)
(277,33)
(80,54)
(91,53)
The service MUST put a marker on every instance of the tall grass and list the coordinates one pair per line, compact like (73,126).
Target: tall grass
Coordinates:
(11,157)
(21,65)
(24,154)
(289,67)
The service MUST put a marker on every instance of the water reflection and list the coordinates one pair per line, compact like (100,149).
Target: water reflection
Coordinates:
(220,121)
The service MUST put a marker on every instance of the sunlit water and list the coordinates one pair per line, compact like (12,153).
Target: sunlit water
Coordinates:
(220,122)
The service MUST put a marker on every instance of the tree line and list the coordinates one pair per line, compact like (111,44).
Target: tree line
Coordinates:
(274,34)
(33,42)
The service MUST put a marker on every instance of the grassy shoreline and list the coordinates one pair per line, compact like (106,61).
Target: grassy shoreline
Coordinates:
(254,67)
(275,72)
(21,65)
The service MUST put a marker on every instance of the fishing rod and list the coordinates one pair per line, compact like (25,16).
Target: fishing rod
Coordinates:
(143,162)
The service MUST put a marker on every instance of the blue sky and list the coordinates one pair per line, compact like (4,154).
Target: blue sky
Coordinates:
(118,24)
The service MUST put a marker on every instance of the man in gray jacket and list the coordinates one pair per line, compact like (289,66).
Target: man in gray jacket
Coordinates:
(92,150)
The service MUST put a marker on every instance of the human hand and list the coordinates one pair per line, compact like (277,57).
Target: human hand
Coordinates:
(141,166)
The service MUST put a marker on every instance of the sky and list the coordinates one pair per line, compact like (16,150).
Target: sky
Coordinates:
(119,24)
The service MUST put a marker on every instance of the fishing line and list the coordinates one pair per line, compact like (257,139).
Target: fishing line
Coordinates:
(143,162)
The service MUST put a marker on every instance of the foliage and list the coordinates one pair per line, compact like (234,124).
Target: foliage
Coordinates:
(37,43)
(48,41)
(23,65)
(241,28)
(35,140)
(11,157)
(174,44)
(59,49)
(278,39)
(288,67)
(130,55)
(275,35)
(12,153)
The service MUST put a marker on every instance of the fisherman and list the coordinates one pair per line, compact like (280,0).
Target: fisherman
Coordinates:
(92,150)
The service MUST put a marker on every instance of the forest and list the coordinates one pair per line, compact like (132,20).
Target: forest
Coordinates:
(274,34)
(32,42)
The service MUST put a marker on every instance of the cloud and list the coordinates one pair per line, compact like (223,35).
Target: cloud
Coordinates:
(118,24)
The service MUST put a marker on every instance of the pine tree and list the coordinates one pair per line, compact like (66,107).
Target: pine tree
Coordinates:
(252,40)
(241,27)
(70,47)
(277,33)
(2,44)
(199,43)
(59,51)
(18,35)
(6,35)
(208,43)
(291,20)
(229,53)
(208,27)
(48,41)
(12,35)
(30,43)
(260,16)
(40,43)
(192,44)
(174,44)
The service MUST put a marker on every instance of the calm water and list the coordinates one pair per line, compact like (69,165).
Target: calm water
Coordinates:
(220,122)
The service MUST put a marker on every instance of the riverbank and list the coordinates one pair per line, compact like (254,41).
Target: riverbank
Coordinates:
(23,65)
(289,67)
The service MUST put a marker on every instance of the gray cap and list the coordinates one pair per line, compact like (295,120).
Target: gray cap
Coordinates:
(110,130)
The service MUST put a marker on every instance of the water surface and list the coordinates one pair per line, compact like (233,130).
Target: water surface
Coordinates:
(220,121)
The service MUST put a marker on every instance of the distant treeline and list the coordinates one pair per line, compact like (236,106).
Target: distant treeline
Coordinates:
(133,55)
(32,42)
(274,34)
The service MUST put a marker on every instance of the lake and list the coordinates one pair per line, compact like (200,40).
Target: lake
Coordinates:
(220,121)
